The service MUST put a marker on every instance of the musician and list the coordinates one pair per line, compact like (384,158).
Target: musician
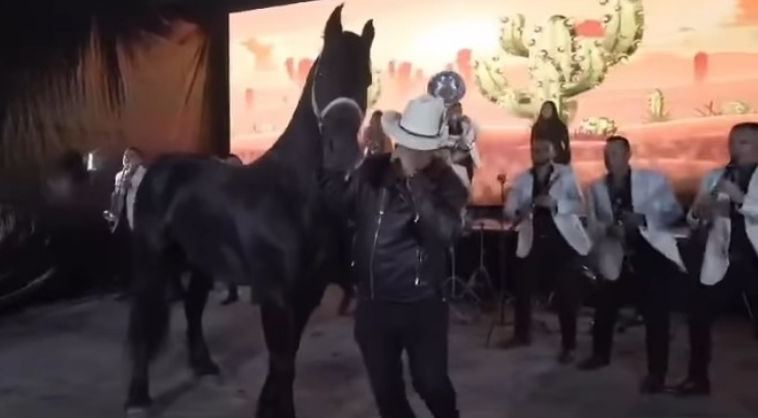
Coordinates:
(122,202)
(407,212)
(546,204)
(462,132)
(630,213)
(726,209)
(125,188)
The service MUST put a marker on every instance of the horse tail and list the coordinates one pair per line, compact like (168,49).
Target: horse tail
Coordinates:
(150,310)
(153,269)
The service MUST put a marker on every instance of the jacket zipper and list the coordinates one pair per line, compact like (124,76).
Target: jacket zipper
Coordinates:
(418,267)
(382,198)
(417,280)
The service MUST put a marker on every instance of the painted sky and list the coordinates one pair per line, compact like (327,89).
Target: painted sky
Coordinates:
(428,31)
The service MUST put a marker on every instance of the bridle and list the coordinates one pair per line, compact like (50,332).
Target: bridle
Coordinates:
(321,113)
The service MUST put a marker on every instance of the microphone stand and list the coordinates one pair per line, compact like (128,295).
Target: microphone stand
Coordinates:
(503,294)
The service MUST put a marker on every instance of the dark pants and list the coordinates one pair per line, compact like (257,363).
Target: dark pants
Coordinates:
(644,281)
(383,330)
(706,301)
(551,266)
(122,239)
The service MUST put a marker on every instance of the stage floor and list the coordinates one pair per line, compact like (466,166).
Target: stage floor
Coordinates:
(67,360)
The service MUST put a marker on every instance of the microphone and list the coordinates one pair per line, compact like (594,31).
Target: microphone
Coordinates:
(730,171)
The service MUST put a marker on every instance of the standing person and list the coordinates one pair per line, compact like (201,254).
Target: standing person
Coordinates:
(549,125)
(407,211)
(375,139)
(122,204)
(630,213)
(233,291)
(726,210)
(546,204)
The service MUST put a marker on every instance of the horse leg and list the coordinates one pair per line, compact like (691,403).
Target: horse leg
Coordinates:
(283,327)
(195,299)
(138,395)
(148,324)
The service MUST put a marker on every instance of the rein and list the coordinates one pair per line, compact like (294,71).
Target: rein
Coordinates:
(321,113)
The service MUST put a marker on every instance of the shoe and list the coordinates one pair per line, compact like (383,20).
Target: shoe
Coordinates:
(651,385)
(693,387)
(593,363)
(566,357)
(515,342)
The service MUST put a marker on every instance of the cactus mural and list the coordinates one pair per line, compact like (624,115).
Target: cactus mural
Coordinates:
(656,107)
(375,89)
(597,126)
(736,107)
(561,64)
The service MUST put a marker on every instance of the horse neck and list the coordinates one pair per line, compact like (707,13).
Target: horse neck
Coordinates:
(299,146)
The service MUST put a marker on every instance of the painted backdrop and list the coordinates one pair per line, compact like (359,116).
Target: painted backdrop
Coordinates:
(671,75)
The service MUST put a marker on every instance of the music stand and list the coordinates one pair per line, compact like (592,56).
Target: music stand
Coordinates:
(504,297)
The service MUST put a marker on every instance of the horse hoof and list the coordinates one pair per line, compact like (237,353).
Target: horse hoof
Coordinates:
(136,412)
(138,407)
(138,397)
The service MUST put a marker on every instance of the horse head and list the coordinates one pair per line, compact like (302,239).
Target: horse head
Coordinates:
(341,78)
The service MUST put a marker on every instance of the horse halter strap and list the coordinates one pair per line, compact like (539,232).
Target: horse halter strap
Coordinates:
(321,113)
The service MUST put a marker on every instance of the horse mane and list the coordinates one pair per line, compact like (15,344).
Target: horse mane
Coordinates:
(298,144)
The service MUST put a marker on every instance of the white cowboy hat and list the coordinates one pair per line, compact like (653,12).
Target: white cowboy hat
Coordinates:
(420,126)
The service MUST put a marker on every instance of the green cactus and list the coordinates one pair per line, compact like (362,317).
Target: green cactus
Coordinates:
(561,64)
(656,107)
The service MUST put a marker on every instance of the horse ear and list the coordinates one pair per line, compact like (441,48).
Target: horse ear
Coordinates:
(368,33)
(334,24)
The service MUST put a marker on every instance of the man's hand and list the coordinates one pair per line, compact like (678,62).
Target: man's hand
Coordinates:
(545,201)
(632,220)
(616,231)
(722,208)
(706,208)
(732,190)
(522,213)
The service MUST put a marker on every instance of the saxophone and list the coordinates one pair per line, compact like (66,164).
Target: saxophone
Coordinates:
(112,214)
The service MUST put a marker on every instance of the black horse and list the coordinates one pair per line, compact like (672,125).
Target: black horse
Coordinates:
(264,224)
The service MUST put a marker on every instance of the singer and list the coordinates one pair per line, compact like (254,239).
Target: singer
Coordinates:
(629,214)
(406,210)
(727,206)
(125,188)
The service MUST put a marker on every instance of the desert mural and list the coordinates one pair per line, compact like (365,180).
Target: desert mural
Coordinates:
(673,76)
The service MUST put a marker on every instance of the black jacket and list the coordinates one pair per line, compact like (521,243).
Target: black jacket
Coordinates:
(403,227)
